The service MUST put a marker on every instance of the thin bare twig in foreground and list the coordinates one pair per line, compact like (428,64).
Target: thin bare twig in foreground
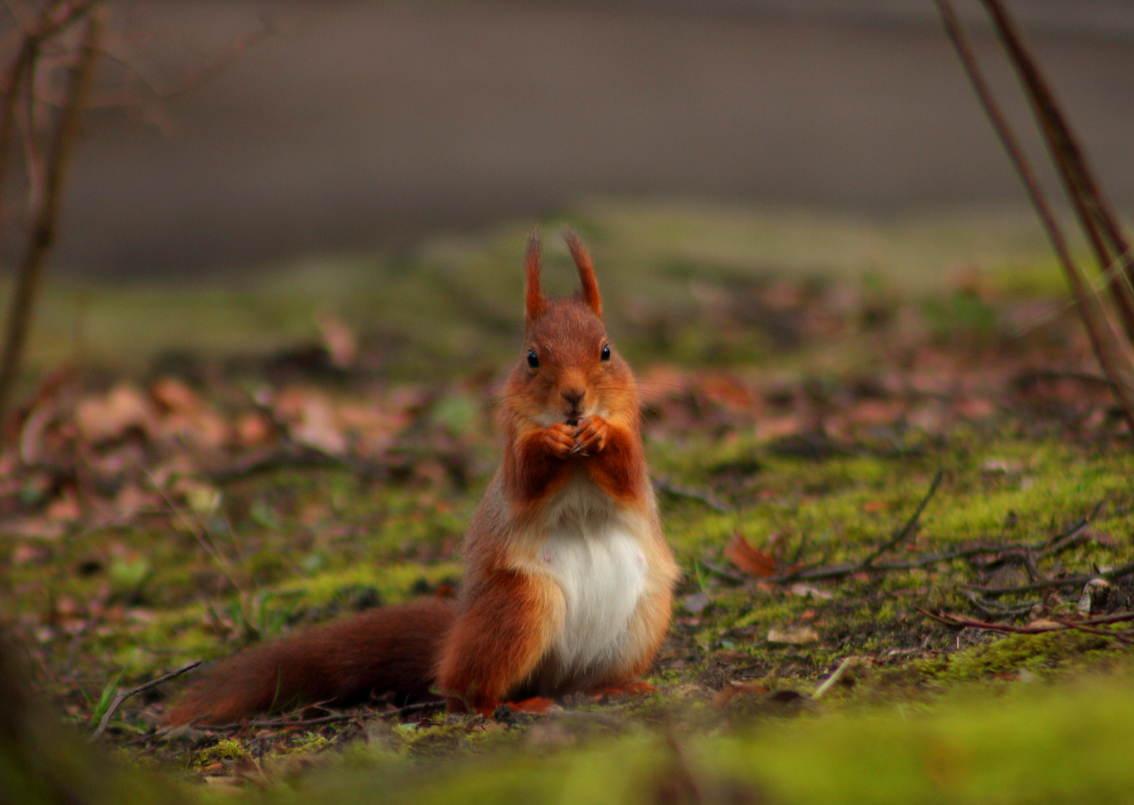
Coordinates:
(328,719)
(1113,355)
(46,215)
(1089,626)
(1095,214)
(834,678)
(122,695)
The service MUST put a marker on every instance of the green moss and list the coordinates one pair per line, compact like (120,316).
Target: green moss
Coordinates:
(431,739)
(1030,744)
(308,743)
(225,749)
(1041,654)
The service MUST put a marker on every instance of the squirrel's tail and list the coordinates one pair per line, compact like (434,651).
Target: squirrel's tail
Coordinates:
(393,649)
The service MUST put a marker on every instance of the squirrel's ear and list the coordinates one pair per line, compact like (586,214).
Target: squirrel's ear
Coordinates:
(589,290)
(534,302)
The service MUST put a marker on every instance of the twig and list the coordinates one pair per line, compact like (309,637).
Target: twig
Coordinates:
(1048,547)
(1089,626)
(724,572)
(1064,540)
(833,679)
(1090,205)
(902,533)
(665,486)
(1066,581)
(684,785)
(122,696)
(867,564)
(267,28)
(993,609)
(45,219)
(328,719)
(1115,361)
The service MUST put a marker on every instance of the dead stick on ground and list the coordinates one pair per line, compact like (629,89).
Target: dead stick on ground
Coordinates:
(833,679)
(122,696)
(1089,626)
(284,722)
(664,485)
(1068,581)
(45,217)
(904,532)
(1115,361)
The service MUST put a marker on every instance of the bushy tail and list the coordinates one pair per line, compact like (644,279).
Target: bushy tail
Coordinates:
(393,649)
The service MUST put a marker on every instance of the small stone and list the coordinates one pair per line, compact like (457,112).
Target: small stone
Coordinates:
(795,636)
(696,603)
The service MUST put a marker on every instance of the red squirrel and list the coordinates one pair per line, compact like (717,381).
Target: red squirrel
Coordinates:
(568,582)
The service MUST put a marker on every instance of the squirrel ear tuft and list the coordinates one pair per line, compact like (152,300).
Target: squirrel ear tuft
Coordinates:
(534,303)
(589,290)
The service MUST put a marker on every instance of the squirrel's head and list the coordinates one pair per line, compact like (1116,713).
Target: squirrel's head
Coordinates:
(568,368)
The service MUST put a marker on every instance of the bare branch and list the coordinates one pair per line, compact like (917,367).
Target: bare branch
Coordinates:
(45,217)
(1091,207)
(903,533)
(1113,355)
(122,695)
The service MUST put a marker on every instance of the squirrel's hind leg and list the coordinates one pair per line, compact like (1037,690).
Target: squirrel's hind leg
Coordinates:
(499,639)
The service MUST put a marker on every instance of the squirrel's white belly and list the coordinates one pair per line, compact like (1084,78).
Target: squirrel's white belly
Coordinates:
(601,569)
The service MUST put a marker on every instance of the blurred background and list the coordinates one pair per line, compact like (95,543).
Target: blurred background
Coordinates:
(372,124)
(315,154)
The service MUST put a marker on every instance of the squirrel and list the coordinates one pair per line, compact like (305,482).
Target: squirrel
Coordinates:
(568,583)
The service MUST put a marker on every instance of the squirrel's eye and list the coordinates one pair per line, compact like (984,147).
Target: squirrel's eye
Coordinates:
(606,352)
(533,359)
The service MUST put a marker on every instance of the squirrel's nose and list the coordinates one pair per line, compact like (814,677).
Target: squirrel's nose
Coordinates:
(573,395)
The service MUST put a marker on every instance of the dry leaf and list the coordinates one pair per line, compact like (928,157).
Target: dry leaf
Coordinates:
(252,429)
(770,428)
(339,341)
(110,417)
(311,421)
(173,395)
(751,560)
(64,509)
(735,688)
(805,590)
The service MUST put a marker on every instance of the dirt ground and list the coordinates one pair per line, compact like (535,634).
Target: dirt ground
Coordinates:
(358,124)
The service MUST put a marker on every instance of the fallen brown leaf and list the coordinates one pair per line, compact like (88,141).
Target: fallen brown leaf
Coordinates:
(339,341)
(112,416)
(751,560)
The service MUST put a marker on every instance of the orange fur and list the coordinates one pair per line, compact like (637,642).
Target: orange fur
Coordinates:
(589,285)
(572,485)
(497,641)
(390,649)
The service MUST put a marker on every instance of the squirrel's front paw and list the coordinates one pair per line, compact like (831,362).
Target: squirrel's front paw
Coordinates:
(560,439)
(590,437)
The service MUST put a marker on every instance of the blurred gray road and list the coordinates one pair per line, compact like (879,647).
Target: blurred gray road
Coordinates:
(361,123)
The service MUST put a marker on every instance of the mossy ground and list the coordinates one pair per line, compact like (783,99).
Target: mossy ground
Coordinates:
(797,396)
